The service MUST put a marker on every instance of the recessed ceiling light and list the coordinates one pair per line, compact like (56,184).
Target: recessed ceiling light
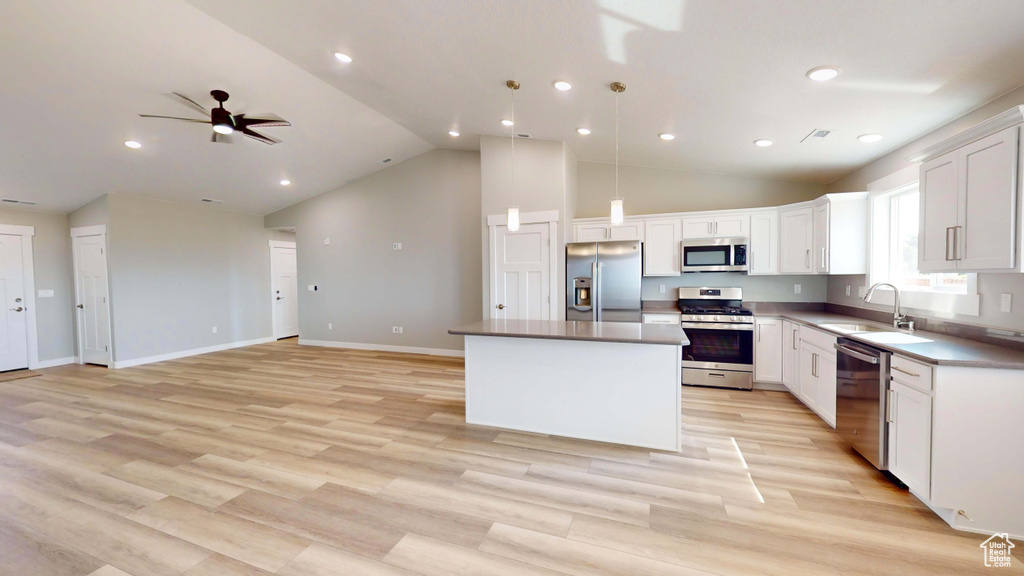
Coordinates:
(133,144)
(507,122)
(562,85)
(583,131)
(453,133)
(666,136)
(343,57)
(869,138)
(285,182)
(763,143)
(822,73)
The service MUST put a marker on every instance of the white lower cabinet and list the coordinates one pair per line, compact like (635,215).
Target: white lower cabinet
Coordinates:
(910,437)
(791,355)
(768,350)
(817,374)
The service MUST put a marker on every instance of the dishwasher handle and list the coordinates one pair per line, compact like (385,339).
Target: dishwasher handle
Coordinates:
(856,354)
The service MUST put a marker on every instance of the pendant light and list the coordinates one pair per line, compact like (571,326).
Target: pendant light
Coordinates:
(617,214)
(513,210)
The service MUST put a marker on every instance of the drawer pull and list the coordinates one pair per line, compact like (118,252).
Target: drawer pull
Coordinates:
(911,374)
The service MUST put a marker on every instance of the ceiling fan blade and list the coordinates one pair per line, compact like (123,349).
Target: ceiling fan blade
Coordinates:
(259,137)
(185,100)
(175,118)
(219,138)
(263,120)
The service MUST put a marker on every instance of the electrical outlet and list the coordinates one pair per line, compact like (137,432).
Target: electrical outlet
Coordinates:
(862,291)
(394,329)
(847,289)
(214,329)
(330,326)
(396,246)
(311,287)
(327,241)
(661,288)
(797,288)
(1006,302)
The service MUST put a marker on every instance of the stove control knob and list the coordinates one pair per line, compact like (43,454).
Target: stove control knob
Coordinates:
(700,317)
(716,318)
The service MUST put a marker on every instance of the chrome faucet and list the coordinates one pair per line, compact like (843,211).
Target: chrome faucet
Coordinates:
(899,321)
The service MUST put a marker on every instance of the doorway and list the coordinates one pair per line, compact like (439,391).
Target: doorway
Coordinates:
(284,289)
(92,302)
(13,319)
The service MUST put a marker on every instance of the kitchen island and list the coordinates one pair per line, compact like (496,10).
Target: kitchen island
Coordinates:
(613,382)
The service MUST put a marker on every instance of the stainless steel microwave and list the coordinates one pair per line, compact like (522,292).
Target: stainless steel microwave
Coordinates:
(714,255)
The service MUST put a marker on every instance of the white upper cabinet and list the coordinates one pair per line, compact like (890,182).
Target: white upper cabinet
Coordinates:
(711,226)
(661,247)
(970,191)
(599,231)
(821,236)
(763,250)
(939,199)
(796,233)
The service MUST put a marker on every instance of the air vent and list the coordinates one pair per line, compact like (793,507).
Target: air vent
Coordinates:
(212,201)
(518,135)
(815,136)
(22,202)
(385,161)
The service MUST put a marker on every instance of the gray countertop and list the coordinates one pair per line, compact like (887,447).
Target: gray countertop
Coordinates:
(621,332)
(933,348)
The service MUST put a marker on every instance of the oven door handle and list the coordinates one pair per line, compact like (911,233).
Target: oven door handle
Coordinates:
(713,326)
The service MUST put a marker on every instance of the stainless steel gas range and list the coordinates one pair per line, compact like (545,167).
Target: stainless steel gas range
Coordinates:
(721,333)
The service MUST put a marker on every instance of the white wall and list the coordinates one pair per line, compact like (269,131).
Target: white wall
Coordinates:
(178,270)
(431,204)
(658,190)
(51,257)
(990,286)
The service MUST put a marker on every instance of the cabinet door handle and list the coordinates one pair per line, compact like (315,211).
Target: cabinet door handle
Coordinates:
(956,243)
(888,406)
(905,372)
(758,332)
(948,257)
(823,257)
(814,365)
(807,259)
(794,340)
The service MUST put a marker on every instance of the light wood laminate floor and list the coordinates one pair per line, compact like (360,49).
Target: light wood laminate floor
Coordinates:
(302,461)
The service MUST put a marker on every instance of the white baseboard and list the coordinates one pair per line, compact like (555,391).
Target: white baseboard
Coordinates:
(771,386)
(55,362)
(192,352)
(383,348)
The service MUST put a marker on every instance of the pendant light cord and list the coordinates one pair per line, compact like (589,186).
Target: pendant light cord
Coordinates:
(616,145)
(513,91)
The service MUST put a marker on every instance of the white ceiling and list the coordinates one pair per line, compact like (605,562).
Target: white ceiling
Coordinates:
(76,75)
(717,73)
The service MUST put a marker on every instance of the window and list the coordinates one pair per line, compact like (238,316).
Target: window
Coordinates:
(895,217)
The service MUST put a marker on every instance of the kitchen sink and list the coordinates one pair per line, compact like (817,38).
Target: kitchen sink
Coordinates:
(855,328)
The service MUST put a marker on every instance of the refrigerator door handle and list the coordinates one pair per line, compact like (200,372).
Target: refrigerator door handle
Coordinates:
(597,291)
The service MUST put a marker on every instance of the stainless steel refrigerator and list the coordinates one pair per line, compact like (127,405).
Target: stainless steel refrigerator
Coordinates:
(603,281)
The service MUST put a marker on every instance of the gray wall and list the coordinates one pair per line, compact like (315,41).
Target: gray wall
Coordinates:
(178,270)
(51,256)
(755,288)
(92,214)
(990,286)
(431,204)
(657,190)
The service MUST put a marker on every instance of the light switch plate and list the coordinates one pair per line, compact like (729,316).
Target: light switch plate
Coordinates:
(847,289)
(396,246)
(214,329)
(1006,302)
(45,294)
(661,288)
(327,241)
(797,288)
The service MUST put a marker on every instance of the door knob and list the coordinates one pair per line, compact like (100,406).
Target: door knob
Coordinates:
(18,309)
(500,306)
(279,298)
(81,306)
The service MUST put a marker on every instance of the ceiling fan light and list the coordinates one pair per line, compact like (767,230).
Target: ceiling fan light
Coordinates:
(223,129)
(132,144)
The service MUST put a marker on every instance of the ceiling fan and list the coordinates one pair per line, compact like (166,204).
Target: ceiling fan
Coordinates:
(224,123)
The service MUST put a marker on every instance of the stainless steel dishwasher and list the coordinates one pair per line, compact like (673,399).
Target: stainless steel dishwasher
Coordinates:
(862,384)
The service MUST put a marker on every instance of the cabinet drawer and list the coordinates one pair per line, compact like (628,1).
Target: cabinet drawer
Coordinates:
(911,373)
(822,340)
(662,318)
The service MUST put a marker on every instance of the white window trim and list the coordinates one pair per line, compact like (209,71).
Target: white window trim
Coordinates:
(937,303)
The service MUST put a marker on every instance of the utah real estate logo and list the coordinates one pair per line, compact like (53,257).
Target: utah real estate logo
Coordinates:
(998,551)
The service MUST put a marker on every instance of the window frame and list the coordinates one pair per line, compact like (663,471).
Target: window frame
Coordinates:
(880,269)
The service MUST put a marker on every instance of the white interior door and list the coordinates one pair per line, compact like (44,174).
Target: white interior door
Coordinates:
(284,271)
(90,256)
(13,327)
(521,283)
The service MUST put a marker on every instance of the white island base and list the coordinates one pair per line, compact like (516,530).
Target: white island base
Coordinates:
(623,393)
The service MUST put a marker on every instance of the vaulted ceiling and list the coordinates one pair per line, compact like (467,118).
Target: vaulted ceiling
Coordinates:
(716,73)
